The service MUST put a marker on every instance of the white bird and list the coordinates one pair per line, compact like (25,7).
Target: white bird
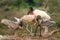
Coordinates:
(43,14)
(28,18)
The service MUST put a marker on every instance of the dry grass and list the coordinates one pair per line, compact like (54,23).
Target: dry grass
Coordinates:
(11,14)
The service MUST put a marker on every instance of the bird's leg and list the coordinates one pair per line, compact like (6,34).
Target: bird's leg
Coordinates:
(31,29)
(38,21)
(36,26)
(28,29)
(35,31)
(40,30)
(39,24)
(45,30)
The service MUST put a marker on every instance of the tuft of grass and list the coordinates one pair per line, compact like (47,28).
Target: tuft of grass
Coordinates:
(50,10)
(58,24)
(2,33)
(3,26)
(6,9)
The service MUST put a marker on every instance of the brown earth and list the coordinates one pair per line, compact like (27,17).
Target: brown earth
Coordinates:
(26,37)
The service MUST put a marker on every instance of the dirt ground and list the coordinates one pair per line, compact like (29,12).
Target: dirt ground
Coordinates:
(25,37)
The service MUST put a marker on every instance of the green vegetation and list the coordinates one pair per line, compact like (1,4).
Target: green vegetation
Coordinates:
(58,24)
(17,4)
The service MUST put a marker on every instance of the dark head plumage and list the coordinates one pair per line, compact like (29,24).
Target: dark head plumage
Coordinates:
(31,8)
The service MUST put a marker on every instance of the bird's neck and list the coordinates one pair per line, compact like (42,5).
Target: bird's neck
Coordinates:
(32,13)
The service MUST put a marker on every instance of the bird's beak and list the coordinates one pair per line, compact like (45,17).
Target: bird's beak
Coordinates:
(17,19)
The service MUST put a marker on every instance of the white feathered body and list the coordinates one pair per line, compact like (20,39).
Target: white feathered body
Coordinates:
(43,14)
(28,18)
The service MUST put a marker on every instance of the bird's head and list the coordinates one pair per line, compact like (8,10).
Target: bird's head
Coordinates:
(31,8)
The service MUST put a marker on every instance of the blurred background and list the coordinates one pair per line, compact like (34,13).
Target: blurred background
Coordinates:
(17,8)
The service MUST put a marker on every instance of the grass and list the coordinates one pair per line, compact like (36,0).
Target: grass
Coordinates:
(58,24)
(3,26)
(4,30)
(2,33)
